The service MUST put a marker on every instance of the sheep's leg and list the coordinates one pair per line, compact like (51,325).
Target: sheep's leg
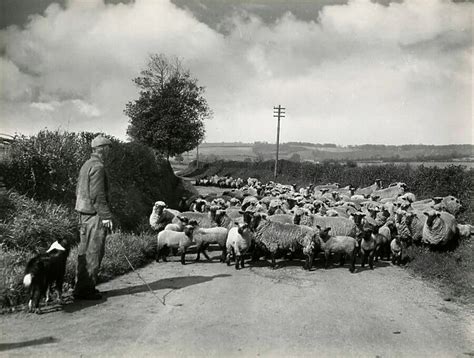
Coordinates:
(205,253)
(364,258)
(327,256)
(309,260)
(198,252)
(343,259)
(237,261)
(183,256)
(371,260)
(224,254)
(229,253)
(273,260)
(353,261)
(242,261)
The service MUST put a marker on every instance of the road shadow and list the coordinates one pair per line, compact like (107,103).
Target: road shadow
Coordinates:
(32,342)
(170,283)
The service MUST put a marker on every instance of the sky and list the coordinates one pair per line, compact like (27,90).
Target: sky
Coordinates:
(347,71)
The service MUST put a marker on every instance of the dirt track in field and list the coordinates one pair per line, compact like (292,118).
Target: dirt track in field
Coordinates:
(212,310)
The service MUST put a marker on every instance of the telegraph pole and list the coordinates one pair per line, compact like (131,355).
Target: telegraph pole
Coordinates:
(278,112)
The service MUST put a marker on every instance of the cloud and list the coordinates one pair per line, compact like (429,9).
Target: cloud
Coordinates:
(357,73)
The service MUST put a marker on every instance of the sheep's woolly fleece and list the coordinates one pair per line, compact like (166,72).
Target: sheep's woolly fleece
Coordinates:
(441,231)
(274,236)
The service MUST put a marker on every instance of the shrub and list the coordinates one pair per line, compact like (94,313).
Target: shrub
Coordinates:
(29,225)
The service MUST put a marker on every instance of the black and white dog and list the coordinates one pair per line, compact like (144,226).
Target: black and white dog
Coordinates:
(45,269)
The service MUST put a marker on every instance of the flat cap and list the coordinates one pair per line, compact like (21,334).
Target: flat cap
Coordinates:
(100,141)
(160,203)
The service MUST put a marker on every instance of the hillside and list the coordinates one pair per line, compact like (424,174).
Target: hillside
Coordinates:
(300,151)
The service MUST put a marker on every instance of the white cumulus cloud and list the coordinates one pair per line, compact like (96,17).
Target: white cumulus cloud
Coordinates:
(357,73)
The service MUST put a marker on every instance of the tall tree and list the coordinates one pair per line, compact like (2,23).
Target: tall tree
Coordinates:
(169,114)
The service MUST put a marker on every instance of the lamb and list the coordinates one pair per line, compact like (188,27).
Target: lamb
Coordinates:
(367,247)
(272,237)
(239,240)
(343,245)
(439,229)
(172,240)
(397,250)
(383,239)
(203,237)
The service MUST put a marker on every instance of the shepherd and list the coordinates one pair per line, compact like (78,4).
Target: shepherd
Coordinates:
(95,219)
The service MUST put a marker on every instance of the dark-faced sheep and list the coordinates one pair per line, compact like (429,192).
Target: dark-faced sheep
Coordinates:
(272,237)
(239,240)
(367,247)
(173,240)
(203,237)
(439,229)
(345,246)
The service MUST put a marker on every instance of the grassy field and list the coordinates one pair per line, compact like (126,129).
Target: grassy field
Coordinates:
(440,156)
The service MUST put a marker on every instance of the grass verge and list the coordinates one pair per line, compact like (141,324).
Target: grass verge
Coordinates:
(140,250)
(452,271)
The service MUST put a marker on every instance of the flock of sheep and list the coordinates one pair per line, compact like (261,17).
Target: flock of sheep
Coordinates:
(276,220)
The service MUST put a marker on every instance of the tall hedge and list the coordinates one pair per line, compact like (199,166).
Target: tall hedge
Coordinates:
(46,166)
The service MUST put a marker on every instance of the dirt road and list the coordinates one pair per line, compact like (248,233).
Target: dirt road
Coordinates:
(213,311)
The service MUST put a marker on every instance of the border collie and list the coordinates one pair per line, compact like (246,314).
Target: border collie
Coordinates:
(45,269)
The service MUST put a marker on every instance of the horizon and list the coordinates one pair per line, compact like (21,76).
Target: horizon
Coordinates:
(348,72)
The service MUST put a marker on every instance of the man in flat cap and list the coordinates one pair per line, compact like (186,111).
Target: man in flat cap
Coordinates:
(95,219)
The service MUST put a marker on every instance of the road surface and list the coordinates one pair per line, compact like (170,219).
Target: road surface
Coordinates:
(212,310)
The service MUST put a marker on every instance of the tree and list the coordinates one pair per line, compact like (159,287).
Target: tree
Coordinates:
(169,114)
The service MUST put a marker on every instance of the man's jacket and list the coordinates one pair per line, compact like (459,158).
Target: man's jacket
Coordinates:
(93,189)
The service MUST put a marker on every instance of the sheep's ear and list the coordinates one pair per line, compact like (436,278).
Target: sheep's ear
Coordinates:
(319,227)
(327,229)
(424,212)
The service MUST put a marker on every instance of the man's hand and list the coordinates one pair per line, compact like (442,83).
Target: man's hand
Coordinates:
(108,224)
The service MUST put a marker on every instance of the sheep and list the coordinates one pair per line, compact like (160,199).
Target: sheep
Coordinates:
(160,216)
(239,240)
(203,237)
(272,237)
(339,226)
(439,228)
(343,245)
(172,240)
(448,203)
(367,247)
(409,226)
(369,189)
(397,250)
(183,221)
(465,231)
(383,239)
(393,191)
